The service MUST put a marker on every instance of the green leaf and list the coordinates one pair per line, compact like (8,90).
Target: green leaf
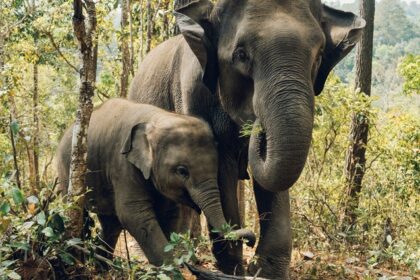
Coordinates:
(20,245)
(163,277)
(27,225)
(49,232)
(40,218)
(7,263)
(13,275)
(67,258)
(73,241)
(17,196)
(177,275)
(5,208)
(174,237)
(168,248)
(14,125)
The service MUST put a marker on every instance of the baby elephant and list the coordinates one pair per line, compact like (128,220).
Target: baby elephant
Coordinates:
(139,156)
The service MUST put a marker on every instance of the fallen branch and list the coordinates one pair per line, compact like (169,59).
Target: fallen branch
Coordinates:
(211,275)
(98,257)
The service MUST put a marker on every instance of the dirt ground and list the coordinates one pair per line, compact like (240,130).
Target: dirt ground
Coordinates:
(305,265)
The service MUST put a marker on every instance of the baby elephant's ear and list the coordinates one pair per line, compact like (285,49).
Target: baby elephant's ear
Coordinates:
(138,150)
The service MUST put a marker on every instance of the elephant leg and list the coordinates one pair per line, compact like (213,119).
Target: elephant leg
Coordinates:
(274,250)
(228,254)
(111,229)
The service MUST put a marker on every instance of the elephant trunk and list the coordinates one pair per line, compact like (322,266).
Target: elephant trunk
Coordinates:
(279,145)
(207,197)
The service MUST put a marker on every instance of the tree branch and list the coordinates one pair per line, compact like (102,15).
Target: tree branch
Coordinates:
(57,48)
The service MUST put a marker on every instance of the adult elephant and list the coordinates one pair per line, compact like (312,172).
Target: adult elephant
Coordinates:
(251,60)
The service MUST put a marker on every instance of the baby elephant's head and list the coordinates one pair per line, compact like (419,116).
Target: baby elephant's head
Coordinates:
(178,153)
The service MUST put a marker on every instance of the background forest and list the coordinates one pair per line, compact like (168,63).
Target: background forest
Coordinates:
(39,87)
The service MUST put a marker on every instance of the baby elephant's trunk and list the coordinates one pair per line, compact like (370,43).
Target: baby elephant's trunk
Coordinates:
(207,197)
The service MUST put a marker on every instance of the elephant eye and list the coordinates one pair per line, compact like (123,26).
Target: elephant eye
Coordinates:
(239,55)
(182,171)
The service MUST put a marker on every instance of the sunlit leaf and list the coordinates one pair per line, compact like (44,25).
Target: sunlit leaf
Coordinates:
(49,232)
(168,248)
(13,275)
(4,224)
(33,199)
(163,277)
(40,218)
(74,241)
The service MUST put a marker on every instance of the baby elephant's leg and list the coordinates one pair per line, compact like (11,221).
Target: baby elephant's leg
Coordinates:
(141,222)
(111,229)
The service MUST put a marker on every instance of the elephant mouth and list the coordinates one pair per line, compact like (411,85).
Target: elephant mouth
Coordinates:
(187,200)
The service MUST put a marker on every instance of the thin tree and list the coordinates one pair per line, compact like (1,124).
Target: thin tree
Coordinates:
(125,51)
(241,202)
(356,154)
(141,28)
(85,32)
(149,25)
(35,185)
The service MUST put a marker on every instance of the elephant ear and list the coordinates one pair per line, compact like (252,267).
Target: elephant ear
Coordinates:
(138,150)
(193,20)
(342,32)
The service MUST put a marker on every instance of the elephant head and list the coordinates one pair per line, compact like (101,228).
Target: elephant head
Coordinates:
(272,58)
(178,154)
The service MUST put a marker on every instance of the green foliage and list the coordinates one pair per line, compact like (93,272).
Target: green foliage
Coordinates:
(390,186)
(248,129)
(410,71)
(182,248)
(35,230)
(392,24)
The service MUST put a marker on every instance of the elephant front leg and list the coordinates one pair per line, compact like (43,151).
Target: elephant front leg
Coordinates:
(274,250)
(228,254)
(141,222)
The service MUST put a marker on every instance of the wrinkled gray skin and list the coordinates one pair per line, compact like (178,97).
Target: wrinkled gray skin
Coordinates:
(142,161)
(251,60)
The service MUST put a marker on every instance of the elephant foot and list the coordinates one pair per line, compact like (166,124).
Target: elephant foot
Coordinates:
(231,267)
(270,267)
(229,263)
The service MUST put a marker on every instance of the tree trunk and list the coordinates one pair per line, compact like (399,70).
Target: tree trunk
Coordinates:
(3,82)
(35,184)
(87,38)
(125,51)
(356,154)
(15,160)
(141,28)
(149,25)
(130,22)
(241,202)
(166,31)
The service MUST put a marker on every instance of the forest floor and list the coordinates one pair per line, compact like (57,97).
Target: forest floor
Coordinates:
(305,265)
